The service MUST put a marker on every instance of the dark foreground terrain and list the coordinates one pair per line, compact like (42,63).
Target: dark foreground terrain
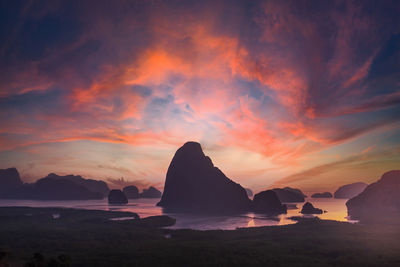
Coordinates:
(33,237)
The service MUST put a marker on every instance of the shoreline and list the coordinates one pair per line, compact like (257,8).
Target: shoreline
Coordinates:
(147,207)
(89,238)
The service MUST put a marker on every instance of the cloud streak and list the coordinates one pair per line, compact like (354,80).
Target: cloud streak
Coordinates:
(285,80)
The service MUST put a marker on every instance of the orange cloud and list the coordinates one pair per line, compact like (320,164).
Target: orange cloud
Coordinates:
(279,83)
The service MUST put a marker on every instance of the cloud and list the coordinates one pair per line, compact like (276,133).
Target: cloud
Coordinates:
(365,158)
(282,79)
(373,104)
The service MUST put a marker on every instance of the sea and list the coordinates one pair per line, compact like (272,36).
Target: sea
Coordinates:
(144,207)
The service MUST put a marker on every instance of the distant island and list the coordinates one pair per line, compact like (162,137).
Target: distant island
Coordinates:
(350,190)
(57,187)
(151,192)
(51,187)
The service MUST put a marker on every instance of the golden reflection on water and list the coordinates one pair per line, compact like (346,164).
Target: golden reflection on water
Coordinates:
(335,209)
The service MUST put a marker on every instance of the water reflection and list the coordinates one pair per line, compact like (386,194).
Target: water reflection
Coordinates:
(147,207)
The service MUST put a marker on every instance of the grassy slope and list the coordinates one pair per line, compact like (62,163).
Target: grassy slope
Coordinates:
(90,240)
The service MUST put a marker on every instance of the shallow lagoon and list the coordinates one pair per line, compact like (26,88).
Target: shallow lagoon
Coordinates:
(336,210)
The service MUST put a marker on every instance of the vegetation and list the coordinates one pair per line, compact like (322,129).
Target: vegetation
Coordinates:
(38,237)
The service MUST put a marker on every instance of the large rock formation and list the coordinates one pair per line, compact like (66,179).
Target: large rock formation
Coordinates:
(58,189)
(131,192)
(379,200)
(193,184)
(91,185)
(322,195)
(288,194)
(268,202)
(117,197)
(9,180)
(350,190)
(308,208)
(152,192)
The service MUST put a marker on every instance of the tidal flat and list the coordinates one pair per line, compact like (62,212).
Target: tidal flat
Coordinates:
(73,237)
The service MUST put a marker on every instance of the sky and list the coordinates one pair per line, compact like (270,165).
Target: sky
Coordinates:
(279,93)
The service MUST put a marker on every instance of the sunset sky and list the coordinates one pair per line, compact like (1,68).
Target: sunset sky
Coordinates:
(279,93)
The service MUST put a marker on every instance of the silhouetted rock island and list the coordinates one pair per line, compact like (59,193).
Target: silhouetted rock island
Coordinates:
(152,192)
(58,189)
(379,200)
(268,202)
(90,184)
(52,187)
(131,192)
(350,190)
(194,184)
(289,194)
(308,208)
(117,197)
(322,195)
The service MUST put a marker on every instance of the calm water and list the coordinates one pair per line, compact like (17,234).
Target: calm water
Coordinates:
(336,210)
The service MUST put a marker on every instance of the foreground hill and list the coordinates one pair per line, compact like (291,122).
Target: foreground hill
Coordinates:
(89,238)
